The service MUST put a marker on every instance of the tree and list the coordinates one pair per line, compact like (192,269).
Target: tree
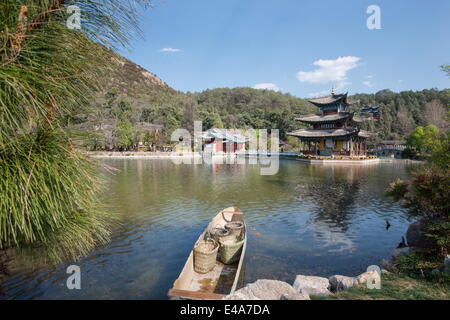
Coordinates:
(424,139)
(446,69)
(189,115)
(125,134)
(435,114)
(427,197)
(48,72)
(405,121)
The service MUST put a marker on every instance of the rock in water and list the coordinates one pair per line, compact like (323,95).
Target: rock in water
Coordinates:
(415,236)
(435,271)
(339,282)
(263,290)
(311,285)
(401,251)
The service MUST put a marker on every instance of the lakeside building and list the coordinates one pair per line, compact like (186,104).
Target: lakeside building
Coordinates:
(390,149)
(372,111)
(334,131)
(223,140)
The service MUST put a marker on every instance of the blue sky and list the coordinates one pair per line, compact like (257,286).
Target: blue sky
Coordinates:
(303,47)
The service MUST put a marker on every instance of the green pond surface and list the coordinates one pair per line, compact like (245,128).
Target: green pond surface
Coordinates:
(306,219)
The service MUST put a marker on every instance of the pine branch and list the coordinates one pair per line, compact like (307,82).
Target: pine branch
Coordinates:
(24,29)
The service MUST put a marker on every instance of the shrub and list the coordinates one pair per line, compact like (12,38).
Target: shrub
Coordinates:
(427,197)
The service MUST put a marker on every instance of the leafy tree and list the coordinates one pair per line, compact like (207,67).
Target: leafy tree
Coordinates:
(126,134)
(426,195)
(446,69)
(425,139)
(427,198)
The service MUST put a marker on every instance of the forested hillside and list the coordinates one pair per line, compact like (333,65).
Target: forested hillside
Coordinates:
(402,112)
(132,98)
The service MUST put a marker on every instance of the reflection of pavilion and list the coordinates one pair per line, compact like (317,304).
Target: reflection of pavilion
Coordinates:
(334,194)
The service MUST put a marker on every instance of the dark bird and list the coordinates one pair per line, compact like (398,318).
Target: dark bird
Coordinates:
(402,244)
(388,225)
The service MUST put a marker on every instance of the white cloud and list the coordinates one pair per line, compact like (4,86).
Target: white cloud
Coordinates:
(369,77)
(368,84)
(170,50)
(329,70)
(266,86)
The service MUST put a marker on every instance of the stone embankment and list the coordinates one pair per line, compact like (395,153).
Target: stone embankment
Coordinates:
(302,288)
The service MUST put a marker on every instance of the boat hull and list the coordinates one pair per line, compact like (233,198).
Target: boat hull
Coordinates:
(222,279)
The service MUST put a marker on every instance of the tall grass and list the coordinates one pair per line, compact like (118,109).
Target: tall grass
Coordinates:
(48,191)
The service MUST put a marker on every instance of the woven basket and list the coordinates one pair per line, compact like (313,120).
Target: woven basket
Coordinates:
(223,234)
(230,251)
(235,227)
(205,255)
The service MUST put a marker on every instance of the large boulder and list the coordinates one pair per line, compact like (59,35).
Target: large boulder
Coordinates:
(312,285)
(338,282)
(263,290)
(397,252)
(415,236)
(368,275)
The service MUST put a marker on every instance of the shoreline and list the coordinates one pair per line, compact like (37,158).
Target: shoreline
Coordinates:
(287,155)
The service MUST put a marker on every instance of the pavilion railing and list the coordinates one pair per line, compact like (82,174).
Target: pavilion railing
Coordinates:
(338,152)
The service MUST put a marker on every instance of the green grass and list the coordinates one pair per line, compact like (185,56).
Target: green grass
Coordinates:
(411,279)
(398,287)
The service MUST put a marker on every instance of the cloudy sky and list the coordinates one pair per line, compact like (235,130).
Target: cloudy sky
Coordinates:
(303,47)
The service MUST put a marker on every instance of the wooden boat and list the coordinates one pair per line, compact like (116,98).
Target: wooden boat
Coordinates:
(220,281)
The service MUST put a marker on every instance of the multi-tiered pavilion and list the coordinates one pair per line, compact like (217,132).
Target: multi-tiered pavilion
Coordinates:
(334,131)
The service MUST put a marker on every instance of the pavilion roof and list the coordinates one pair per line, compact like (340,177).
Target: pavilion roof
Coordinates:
(224,135)
(361,119)
(331,99)
(314,118)
(331,133)
(364,134)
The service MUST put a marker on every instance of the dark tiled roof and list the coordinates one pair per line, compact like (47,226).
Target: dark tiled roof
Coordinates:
(328,118)
(334,98)
(364,133)
(224,135)
(312,133)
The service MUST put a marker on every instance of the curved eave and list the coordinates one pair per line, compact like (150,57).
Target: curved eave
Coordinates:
(329,100)
(322,134)
(313,119)
(364,134)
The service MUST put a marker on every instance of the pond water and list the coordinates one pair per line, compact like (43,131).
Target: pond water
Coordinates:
(307,219)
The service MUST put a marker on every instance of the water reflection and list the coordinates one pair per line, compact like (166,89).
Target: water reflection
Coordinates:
(306,219)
